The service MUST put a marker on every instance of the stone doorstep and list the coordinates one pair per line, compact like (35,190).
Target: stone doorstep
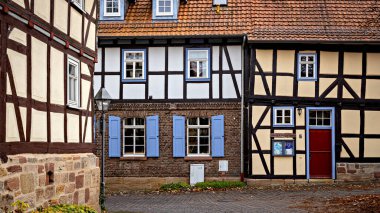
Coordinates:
(271,182)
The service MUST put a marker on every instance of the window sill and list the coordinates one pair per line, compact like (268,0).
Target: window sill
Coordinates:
(134,158)
(73,107)
(198,158)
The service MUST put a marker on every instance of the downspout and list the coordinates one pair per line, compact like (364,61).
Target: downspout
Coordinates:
(242,110)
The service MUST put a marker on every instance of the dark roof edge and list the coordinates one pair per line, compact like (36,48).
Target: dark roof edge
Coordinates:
(373,42)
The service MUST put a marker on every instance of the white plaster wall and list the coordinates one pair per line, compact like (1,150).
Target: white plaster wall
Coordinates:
(235,56)
(39,70)
(73,130)
(98,66)
(134,91)
(215,86)
(42,9)
(84,69)
(18,35)
(85,93)
(18,64)
(176,58)
(228,85)
(156,59)
(175,87)
(75,25)
(156,86)
(20,2)
(198,90)
(91,34)
(112,84)
(88,6)
(88,138)
(57,127)
(60,15)
(57,77)
(112,60)
(215,57)
(97,83)
(39,126)
(11,122)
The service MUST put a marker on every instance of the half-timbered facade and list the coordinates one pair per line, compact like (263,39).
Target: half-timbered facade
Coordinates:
(176,89)
(313,102)
(48,52)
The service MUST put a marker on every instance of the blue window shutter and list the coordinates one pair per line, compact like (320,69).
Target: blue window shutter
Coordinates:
(152,137)
(178,136)
(114,136)
(217,132)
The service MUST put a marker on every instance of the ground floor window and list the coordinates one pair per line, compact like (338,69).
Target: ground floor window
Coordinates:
(198,136)
(134,136)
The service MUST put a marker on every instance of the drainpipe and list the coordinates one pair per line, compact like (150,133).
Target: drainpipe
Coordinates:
(242,111)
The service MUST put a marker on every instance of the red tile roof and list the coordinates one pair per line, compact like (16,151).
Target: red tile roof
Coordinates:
(261,20)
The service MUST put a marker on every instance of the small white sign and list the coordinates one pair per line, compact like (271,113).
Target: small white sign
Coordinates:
(223,166)
(197,173)
(219,2)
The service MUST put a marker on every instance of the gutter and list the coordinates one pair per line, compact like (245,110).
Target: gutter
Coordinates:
(242,110)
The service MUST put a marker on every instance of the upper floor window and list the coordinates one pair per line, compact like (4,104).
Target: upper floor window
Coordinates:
(111,7)
(73,79)
(164,7)
(78,3)
(307,69)
(134,136)
(283,116)
(198,65)
(134,65)
(198,136)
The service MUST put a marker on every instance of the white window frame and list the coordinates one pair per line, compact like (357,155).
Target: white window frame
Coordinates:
(134,65)
(198,127)
(78,3)
(112,13)
(158,13)
(320,118)
(134,127)
(314,63)
(198,60)
(283,109)
(75,62)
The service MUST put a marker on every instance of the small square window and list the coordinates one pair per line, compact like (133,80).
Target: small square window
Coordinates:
(198,64)
(164,8)
(283,116)
(111,7)
(283,147)
(307,67)
(134,64)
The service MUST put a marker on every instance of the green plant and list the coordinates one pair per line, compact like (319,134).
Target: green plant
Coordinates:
(20,206)
(220,184)
(61,208)
(175,186)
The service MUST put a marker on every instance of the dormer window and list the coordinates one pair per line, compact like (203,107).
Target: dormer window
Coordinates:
(164,7)
(111,7)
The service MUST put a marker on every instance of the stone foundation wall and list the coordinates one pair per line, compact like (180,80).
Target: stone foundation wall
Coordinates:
(358,171)
(40,179)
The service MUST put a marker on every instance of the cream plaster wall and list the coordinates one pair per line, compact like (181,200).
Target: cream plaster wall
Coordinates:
(300,119)
(265,59)
(257,166)
(353,145)
(84,69)
(18,65)
(91,35)
(373,63)
(88,138)
(88,6)
(75,25)
(301,165)
(306,88)
(329,62)
(73,130)
(351,121)
(283,165)
(57,77)
(355,84)
(300,140)
(39,70)
(372,147)
(285,61)
(257,111)
(372,90)
(12,133)
(263,135)
(372,122)
(39,126)
(42,9)
(86,88)
(259,88)
(324,83)
(284,86)
(60,15)
(352,63)
(18,35)
(57,127)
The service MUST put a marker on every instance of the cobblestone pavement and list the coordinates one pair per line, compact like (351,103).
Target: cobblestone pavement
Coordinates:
(248,200)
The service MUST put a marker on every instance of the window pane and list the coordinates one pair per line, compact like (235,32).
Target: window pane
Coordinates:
(128,132)
(129,66)
(128,149)
(203,121)
(203,140)
(129,121)
(139,121)
(310,58)
(326,114)
(312,121)
(193,141)
(129,74)
(279,120)
(139,74)
(193,132)
(193,121)
(140,149)
(193,69)
(303,70)
(167,9)
(161,9)
(287,112)
(279,112)
(198,54)
(319,122)
(139,132)
(72,70)
(326,122)
(203,69)
(193,150)
(303,58)
(129,55)
(204,132)
(109,10)
(203,150)
(139,65)
(310,70)
(312,114)
(128,141)
(287,120)
(139,141)
(161,3)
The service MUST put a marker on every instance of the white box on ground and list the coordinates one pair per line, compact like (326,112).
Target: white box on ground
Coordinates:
(197,173)
(223,166)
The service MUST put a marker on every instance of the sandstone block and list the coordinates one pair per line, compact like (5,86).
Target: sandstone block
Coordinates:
(86,195)
(69,188)
(12,184)
(341,169)
(42,180)
(30,168)
(14,169)
(39,195)
(41,169)
(377,174)
(49,192)
(27,183)
(75,199)
(49,167)
(3,172)
(79,181)
(60,189)
(72,177)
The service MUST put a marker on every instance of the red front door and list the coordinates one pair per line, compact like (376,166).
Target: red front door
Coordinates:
(320,153)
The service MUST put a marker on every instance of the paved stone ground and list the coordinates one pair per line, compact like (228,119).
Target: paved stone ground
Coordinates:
(247,200)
